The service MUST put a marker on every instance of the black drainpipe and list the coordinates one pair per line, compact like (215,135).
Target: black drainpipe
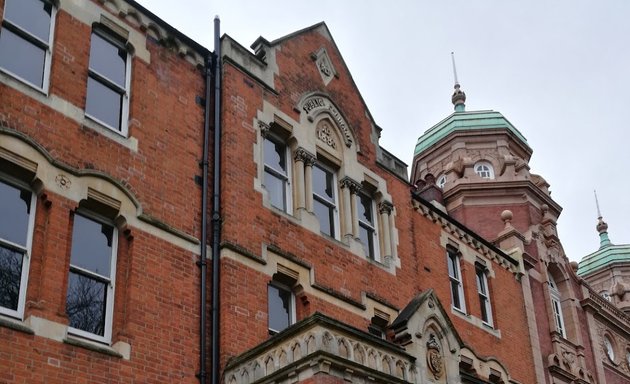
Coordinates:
(203,262)
(216,202)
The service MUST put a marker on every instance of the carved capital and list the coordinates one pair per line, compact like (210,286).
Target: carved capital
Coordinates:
(264,128)
(304,156)
(385,207)
(354,186)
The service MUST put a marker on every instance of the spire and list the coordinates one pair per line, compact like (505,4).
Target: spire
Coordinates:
(602,227)
(459,97)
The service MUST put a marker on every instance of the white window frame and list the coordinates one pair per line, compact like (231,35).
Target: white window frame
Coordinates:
(484,294)
(334,205)
(372,229)
(111,286)
(456,278)
(36,41)
(556,307)
(285,178)
(292,314)
(26,258)
(484,170)
(126,93)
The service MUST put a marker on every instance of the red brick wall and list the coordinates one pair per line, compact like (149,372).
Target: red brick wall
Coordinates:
(250,225)
(156,307)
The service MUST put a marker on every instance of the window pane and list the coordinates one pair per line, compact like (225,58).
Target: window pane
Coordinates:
(325,214)
(484,308)
(10,277)
(85,303)
(108,60)
(103,103)
(92,245)
(275,156)
(365,210)
(366,236)
(455,294)
(276,191)
(279,308)
(323,183)
(30,15)
(15,208)
(452,265)
(22,58)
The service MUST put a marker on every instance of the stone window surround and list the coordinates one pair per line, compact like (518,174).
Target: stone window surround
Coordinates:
(472,258)
(305,155)
(483,291)
(48,55)
(555,300)
(110,281)
(37,171)
(45,177)
(288,200)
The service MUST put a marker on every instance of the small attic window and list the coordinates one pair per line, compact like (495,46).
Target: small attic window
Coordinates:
(484,170)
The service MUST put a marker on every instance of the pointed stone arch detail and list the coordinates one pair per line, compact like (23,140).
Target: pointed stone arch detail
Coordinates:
(314,104)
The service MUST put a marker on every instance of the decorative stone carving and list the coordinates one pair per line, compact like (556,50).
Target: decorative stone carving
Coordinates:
(324,65)
(63,181)
(304,156)
(326,135)
(354,186)
(385,207)
(264,128)
(315,104)
(434,357)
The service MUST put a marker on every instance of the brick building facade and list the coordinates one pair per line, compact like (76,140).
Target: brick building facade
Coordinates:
(333,266)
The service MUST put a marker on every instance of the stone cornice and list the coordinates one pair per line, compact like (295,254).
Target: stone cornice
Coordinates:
(613,315)
(466,236)
(487,188)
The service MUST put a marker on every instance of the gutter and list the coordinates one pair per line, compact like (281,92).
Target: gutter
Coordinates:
(212,62)
(216,204)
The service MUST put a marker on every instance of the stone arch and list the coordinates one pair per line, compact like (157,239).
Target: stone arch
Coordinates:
(359,353)
(372,359)
(296,352)
(258,371)
(343,348)
(283,358)
(400,369)
(386,367)
(315,105)
(244,376)
(270,364)
(311,344)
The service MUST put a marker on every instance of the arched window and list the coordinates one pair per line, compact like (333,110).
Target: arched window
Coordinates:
(610,349)
(441,181)
(484,170)
(556,306)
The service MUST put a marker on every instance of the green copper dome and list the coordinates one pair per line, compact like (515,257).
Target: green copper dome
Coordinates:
(607,254)
(603,257)
(465,121)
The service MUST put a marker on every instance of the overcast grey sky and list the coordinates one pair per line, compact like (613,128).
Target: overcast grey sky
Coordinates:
(558,70)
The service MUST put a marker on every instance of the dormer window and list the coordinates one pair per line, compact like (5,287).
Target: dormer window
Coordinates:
(484,170)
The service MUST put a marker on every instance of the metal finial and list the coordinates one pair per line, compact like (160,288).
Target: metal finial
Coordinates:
(454,68)
(599,213)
